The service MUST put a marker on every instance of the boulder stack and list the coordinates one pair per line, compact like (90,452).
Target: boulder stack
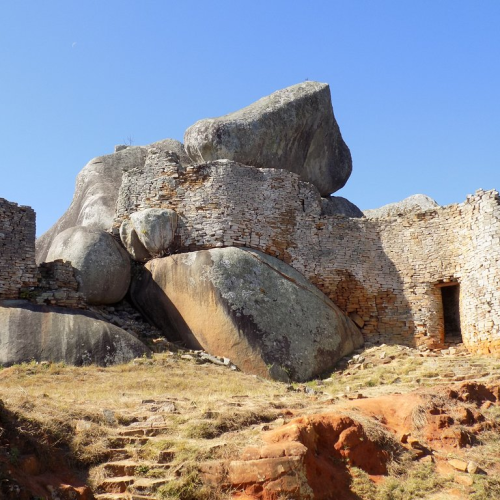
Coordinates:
(102,267)
(293,129)
(247,306)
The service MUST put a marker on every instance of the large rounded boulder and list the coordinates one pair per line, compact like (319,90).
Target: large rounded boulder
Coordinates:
(413,204)
(249,307)
(336,205)
(155,228)
(132,243)
(102,266)
(97,187)
(292,129)
(57,334)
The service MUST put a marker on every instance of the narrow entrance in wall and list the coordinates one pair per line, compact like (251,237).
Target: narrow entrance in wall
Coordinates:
(450,296)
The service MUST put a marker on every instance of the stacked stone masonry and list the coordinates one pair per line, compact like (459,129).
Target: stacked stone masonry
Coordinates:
(388,272)
(17,249)
(57,286)
(53,283)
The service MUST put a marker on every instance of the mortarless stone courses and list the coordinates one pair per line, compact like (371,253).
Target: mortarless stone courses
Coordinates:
(52,283)
(388,271)
(17,249)
(385,272)
(57,286)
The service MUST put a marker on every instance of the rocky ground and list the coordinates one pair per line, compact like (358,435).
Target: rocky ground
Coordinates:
(391,423)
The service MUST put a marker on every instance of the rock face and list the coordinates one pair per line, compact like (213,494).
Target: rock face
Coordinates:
(102,267)
(336,205)
(412,204)
(247,306)
(96,191)
(155,228)
(132,243)
(56,334)
(292,129)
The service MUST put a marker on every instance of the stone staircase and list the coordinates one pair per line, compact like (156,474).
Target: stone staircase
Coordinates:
(146,455)
(128,476)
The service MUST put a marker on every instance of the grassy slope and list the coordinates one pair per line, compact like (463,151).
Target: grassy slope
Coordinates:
(217,412)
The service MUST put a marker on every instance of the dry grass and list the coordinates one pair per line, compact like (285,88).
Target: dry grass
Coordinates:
(418,481)
(219,412)
(51,398)
(414,481)
(378,434)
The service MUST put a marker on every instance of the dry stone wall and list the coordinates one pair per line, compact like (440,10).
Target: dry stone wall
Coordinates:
(53,283)
(57,286)
(17,249)
(387,273)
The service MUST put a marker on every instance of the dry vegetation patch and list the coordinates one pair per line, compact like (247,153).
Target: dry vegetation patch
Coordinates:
(159,419)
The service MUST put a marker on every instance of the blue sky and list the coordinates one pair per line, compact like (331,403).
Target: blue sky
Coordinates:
(415,85)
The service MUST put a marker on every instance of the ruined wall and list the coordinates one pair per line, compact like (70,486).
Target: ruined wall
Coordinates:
(480,276)
(386,271)
(17,249)
(390,271)
(53,283)
(57,286)
(222,203)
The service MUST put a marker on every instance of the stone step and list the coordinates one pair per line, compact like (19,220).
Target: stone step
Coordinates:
(123,441)
(119,468)
(112,496)
(118,454)
(165,456)
(141,497)
(147,430)
(146,485)
(129,467)
(157,431)
(115,484)
(136,431)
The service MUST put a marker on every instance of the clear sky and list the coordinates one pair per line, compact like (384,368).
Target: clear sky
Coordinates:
(415,85)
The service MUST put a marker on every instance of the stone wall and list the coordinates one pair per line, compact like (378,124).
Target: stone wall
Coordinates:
(387,272)
(57,286)
(390,271)
(17,249)
(53,283)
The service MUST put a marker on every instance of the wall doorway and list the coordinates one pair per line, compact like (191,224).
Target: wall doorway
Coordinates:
(450,296)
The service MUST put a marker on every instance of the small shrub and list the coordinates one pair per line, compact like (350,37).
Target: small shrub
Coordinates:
(362,485)
(142,470)
(90,446)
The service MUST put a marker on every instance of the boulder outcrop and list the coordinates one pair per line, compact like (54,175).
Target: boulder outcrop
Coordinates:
(412,204)
(249,307)
(336,205)
(132,243)
(155,228)
(41,333)
(292,129)
(102,267)
(96,190)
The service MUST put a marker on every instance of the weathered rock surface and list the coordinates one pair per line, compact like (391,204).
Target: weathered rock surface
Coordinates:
(102,267)
(43,333)
(96,190)
(292,129)
(155,228)
(249,307)
(132,243)
(336,205)
(412,204)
